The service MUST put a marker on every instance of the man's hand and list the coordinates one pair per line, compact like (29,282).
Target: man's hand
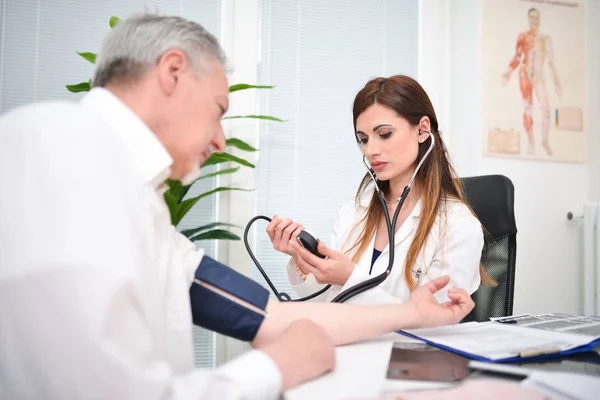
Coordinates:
(431,313)
(303,352)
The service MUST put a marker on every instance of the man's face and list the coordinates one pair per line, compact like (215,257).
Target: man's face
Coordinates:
(206,104)
(193,112)
(534,19)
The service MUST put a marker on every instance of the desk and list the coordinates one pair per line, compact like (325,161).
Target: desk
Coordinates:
(359,373)
(361,369)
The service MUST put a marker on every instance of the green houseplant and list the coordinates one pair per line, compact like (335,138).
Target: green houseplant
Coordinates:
(176,196)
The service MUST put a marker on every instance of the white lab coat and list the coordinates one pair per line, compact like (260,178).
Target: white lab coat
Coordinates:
(94,280)
(454,248)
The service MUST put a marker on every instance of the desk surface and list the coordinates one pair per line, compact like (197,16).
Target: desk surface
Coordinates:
(359,373)
(361,370)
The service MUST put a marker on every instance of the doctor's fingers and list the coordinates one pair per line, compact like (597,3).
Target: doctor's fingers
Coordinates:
(312,264)
(271,227)
(283,238)
(296,232)
(280,229)
(308,256)
(290,232)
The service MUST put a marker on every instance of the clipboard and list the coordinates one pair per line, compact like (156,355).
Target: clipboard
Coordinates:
(521,338)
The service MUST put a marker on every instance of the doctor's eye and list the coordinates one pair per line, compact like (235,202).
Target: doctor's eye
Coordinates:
(385,135)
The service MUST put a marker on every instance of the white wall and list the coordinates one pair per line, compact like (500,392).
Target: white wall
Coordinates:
(549,262)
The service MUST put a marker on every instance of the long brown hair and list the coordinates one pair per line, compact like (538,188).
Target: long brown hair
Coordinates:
(436,178)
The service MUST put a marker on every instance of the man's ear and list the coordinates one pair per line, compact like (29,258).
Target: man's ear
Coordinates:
(171,65)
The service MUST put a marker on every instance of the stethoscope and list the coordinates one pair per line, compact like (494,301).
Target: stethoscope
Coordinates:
(310,243)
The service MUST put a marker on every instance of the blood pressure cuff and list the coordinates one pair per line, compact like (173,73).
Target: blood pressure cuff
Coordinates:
(226,301)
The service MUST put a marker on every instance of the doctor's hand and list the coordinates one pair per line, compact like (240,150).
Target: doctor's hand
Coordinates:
(333,270)
(281,231)
(303,352)
(431,313)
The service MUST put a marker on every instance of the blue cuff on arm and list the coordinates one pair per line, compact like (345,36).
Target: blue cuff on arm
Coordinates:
(212,311)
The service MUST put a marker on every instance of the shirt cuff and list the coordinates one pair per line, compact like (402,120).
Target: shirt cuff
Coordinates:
(255,373)
(293,278)
(305,287)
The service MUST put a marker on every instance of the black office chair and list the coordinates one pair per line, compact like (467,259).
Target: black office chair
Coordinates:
(492,199)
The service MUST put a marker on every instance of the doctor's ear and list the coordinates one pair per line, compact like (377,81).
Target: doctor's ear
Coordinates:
(424,129)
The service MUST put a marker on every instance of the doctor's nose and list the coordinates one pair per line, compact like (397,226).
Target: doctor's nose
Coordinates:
(372,150)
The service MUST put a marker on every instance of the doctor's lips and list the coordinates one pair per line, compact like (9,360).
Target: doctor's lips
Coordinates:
(378,165)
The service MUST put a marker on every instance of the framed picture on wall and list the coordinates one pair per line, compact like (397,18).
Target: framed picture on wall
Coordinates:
(534,79)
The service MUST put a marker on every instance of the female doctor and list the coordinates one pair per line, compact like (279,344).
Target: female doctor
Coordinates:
(436,231)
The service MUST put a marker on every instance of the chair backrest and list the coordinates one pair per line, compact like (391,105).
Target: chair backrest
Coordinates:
(492,199)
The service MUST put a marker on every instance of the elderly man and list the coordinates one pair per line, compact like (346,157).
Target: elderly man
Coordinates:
(98,291)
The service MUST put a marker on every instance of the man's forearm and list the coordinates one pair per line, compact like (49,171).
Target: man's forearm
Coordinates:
(344,323)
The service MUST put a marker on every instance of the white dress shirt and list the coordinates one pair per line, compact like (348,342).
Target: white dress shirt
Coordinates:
(94,280)
(453,248)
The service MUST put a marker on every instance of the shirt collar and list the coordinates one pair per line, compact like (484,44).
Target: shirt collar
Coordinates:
(149,156)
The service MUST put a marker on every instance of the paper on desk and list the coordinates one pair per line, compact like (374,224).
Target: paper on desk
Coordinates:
(497,341)
(475,389)
(570,323)
(564,386)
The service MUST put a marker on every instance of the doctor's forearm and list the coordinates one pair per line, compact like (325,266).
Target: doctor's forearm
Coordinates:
(344,323)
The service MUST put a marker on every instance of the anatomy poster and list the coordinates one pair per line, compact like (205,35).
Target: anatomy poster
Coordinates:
(534,79)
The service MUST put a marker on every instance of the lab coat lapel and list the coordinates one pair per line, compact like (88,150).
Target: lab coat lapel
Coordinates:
(403,233)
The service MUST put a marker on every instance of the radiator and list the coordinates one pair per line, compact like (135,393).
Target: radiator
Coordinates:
(591,259)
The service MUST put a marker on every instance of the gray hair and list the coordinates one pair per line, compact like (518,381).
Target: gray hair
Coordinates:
(136,44)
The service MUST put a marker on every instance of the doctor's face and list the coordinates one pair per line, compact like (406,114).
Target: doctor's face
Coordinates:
(195,120)
(389,142)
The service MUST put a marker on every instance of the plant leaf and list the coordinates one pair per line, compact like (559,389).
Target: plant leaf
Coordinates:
(185,189)
(240,144)
(221,172)
(91,57)
(266,117)
(190,232)
(175,188)
(218,158)
(80,87)
(244,86)
(186,205)
(113,21)
(172,204)
(216,234)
